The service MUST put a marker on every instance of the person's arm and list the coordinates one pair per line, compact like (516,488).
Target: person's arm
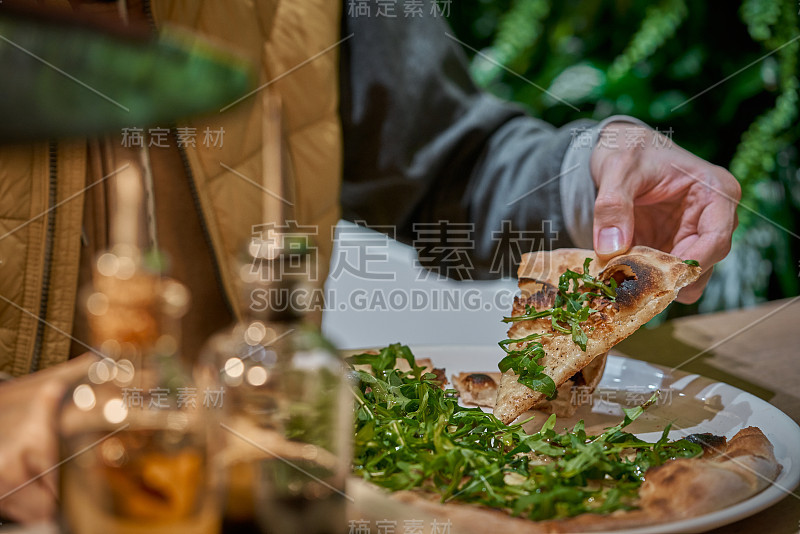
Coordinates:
(422,144)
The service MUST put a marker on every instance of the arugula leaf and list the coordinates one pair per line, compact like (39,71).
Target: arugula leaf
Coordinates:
(525,363)
(540,382)
(631,415)
(692,262)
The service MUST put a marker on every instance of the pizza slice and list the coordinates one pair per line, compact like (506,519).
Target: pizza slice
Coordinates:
(415,445)
(646,281)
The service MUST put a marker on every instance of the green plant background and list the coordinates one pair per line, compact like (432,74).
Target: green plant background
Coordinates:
(646,59)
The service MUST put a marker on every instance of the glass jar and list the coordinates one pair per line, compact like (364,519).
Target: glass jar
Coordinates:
(288,417)
(134,437)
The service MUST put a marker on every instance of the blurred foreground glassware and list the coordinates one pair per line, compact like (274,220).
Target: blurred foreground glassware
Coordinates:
(137,455)
(288,405)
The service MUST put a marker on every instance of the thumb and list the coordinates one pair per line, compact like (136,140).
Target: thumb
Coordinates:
(613,220)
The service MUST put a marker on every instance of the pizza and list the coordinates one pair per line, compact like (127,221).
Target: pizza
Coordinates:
(729,471)
(419,443)
(646,281)
(419,453)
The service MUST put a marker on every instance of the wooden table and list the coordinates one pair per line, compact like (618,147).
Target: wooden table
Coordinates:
(755,349)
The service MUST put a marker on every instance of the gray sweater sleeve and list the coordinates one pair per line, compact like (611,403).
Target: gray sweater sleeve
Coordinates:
(422,144)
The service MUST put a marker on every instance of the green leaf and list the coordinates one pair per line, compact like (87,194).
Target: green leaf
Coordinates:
(540,382)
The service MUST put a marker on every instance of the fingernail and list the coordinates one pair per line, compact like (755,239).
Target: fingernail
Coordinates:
(609,240)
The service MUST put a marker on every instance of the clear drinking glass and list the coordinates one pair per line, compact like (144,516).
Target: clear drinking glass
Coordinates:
(134,433)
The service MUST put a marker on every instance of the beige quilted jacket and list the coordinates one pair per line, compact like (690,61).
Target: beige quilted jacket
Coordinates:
(41,203)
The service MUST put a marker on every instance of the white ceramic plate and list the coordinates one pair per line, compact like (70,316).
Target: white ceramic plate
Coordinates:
(692,404)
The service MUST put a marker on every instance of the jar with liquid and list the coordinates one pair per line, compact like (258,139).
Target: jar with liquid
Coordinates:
(135,443)
(288,421)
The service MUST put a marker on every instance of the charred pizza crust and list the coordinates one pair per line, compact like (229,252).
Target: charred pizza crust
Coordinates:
(477,389)
(686,488)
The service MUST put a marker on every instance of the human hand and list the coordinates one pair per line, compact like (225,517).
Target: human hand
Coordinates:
(28,446)
(662,196)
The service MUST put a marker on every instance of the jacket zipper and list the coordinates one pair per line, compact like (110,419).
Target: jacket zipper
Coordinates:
(148,12)
(48,256)
(203,225)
